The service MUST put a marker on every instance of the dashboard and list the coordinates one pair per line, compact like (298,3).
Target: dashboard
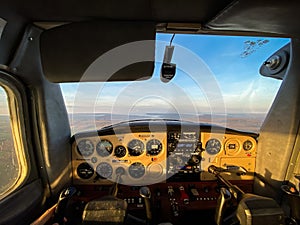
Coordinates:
(169,157)
(148,152)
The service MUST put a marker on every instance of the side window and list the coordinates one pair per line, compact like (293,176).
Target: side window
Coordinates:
(12,167)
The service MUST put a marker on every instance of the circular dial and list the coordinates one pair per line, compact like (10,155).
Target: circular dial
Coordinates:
(155,170)
(120,151)
(120,170)
(232,147)
(85,147)
(135,147)
(154,147)
(136,170)
(247,145)
(104,170)
(85,171)
(213,146)
(104,148)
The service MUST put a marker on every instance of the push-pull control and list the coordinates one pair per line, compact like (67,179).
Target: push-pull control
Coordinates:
(171,193)
(183,195)
(173,202)
(146,194)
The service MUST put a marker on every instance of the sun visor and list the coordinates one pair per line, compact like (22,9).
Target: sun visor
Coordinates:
(98,51)
(269,17)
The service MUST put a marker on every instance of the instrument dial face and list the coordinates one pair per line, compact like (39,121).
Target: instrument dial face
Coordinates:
(135,147)
(85,147)
(136,170)
(120,151)
(247,145)
(85,171)
(104,148)
(154,147)
(213,146)
(104,170)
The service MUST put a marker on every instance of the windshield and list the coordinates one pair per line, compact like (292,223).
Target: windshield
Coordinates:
(217,81)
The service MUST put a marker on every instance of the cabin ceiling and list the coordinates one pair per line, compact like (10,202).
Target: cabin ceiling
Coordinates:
(274,17)
(244,17)
(158,10)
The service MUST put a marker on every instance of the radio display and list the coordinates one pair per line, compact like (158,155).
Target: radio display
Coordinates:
(185,145)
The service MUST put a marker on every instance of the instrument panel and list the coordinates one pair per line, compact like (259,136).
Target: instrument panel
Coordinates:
(140,157)
(164,154)
(226,151)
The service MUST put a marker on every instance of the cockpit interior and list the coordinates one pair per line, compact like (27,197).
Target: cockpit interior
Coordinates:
(149,112)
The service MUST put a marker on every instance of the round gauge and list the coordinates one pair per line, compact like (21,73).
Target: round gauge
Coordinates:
(120,151)
(247,145)
(120,171)
(104,170)
(154,147)
(85,171)
(85,147)
(135,147)
(136,170)
(104,148)
(213,146)
(155,170)
(232,147)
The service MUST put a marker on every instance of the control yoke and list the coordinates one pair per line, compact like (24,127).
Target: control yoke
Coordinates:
(249,206)
(239,170)
(236,192)
(226,193)
(64,196)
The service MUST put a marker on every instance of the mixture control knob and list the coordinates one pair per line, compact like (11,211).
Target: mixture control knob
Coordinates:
(183,195)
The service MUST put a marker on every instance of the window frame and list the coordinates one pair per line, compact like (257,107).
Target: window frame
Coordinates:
(15,99)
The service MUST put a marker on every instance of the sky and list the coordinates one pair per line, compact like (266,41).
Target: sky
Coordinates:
(214,75)
(3,102)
